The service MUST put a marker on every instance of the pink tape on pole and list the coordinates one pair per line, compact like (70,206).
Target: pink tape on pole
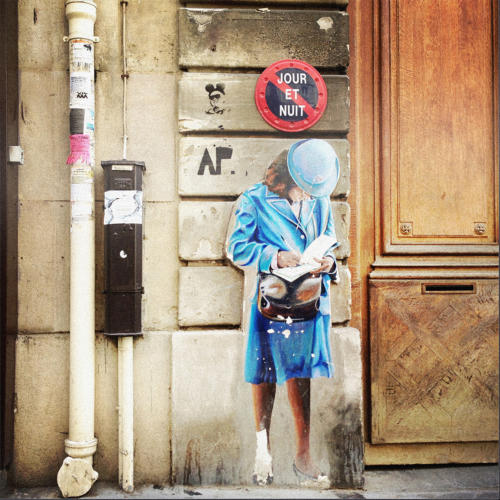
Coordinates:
(80,149)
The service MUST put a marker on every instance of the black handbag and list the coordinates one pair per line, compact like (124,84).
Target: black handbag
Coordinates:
(281,300)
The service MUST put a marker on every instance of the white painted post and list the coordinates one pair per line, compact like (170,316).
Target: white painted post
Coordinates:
(126,412)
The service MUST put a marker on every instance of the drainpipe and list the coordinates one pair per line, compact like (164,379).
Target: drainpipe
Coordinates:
(76,475)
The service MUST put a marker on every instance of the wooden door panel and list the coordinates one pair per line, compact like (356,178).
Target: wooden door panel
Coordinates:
(434,360)
(438,124)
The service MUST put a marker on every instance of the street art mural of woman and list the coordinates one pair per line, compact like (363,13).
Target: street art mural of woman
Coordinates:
(283,226)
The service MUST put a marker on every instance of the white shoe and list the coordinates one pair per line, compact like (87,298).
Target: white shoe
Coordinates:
(263,468)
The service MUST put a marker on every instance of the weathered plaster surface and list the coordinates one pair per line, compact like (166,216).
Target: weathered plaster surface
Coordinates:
(215,437)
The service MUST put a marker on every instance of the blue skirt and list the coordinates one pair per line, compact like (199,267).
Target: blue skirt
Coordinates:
(277,351)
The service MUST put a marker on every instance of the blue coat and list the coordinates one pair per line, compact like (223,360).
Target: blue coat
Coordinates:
(264,225)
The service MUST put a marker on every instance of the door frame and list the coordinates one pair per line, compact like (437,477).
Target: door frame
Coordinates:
(9,136)
(362,140)
(365,234)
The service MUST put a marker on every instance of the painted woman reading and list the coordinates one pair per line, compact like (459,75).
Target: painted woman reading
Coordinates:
(288,337)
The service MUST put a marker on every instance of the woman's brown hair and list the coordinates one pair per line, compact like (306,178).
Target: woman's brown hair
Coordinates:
(277,177)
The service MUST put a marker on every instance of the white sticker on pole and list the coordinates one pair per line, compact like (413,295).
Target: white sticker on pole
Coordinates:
(81,200)
(123,207)
(80,90)
(88,121)
(80,209)
(81,192)
(81,56)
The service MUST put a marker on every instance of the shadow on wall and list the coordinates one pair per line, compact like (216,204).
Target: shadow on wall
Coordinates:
(345,446)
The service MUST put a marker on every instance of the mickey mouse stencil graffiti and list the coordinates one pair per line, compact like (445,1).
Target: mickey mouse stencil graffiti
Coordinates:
(216,98)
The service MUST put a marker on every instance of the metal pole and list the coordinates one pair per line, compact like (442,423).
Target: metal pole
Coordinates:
(125,344)
(124,4)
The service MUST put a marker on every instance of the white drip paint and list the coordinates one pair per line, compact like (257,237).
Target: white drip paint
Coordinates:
(203,18)
(325,23)
(263,470)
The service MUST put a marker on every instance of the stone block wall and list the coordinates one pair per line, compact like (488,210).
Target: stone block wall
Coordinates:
(42,348)
(220,154)
(193,421)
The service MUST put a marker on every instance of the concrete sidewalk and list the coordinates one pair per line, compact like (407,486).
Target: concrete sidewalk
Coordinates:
(460,482)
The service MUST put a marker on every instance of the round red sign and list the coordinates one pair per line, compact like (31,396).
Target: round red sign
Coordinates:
(291,95)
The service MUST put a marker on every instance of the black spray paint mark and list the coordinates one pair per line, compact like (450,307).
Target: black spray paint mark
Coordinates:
(221,153)
(216,98)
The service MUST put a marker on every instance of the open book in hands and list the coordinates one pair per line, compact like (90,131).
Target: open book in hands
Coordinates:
(317,249)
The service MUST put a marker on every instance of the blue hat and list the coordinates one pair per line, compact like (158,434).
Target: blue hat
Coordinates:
(314,166)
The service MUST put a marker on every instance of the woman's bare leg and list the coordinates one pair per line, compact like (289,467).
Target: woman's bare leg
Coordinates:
(263,402)
(299,396)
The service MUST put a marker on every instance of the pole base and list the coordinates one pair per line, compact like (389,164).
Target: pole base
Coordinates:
(75,477)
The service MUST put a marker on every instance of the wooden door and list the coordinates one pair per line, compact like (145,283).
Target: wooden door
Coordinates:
(424,149)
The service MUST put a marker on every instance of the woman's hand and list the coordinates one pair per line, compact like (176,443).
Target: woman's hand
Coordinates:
(288,259)
(326,264)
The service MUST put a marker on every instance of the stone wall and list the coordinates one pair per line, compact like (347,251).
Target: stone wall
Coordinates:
(192,410)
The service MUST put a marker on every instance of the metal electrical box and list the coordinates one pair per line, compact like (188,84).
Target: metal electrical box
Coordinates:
(123,246)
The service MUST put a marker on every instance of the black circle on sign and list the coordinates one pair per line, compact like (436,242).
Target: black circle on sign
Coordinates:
(288,109)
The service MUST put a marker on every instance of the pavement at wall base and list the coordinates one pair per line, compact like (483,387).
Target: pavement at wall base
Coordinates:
(412,482)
